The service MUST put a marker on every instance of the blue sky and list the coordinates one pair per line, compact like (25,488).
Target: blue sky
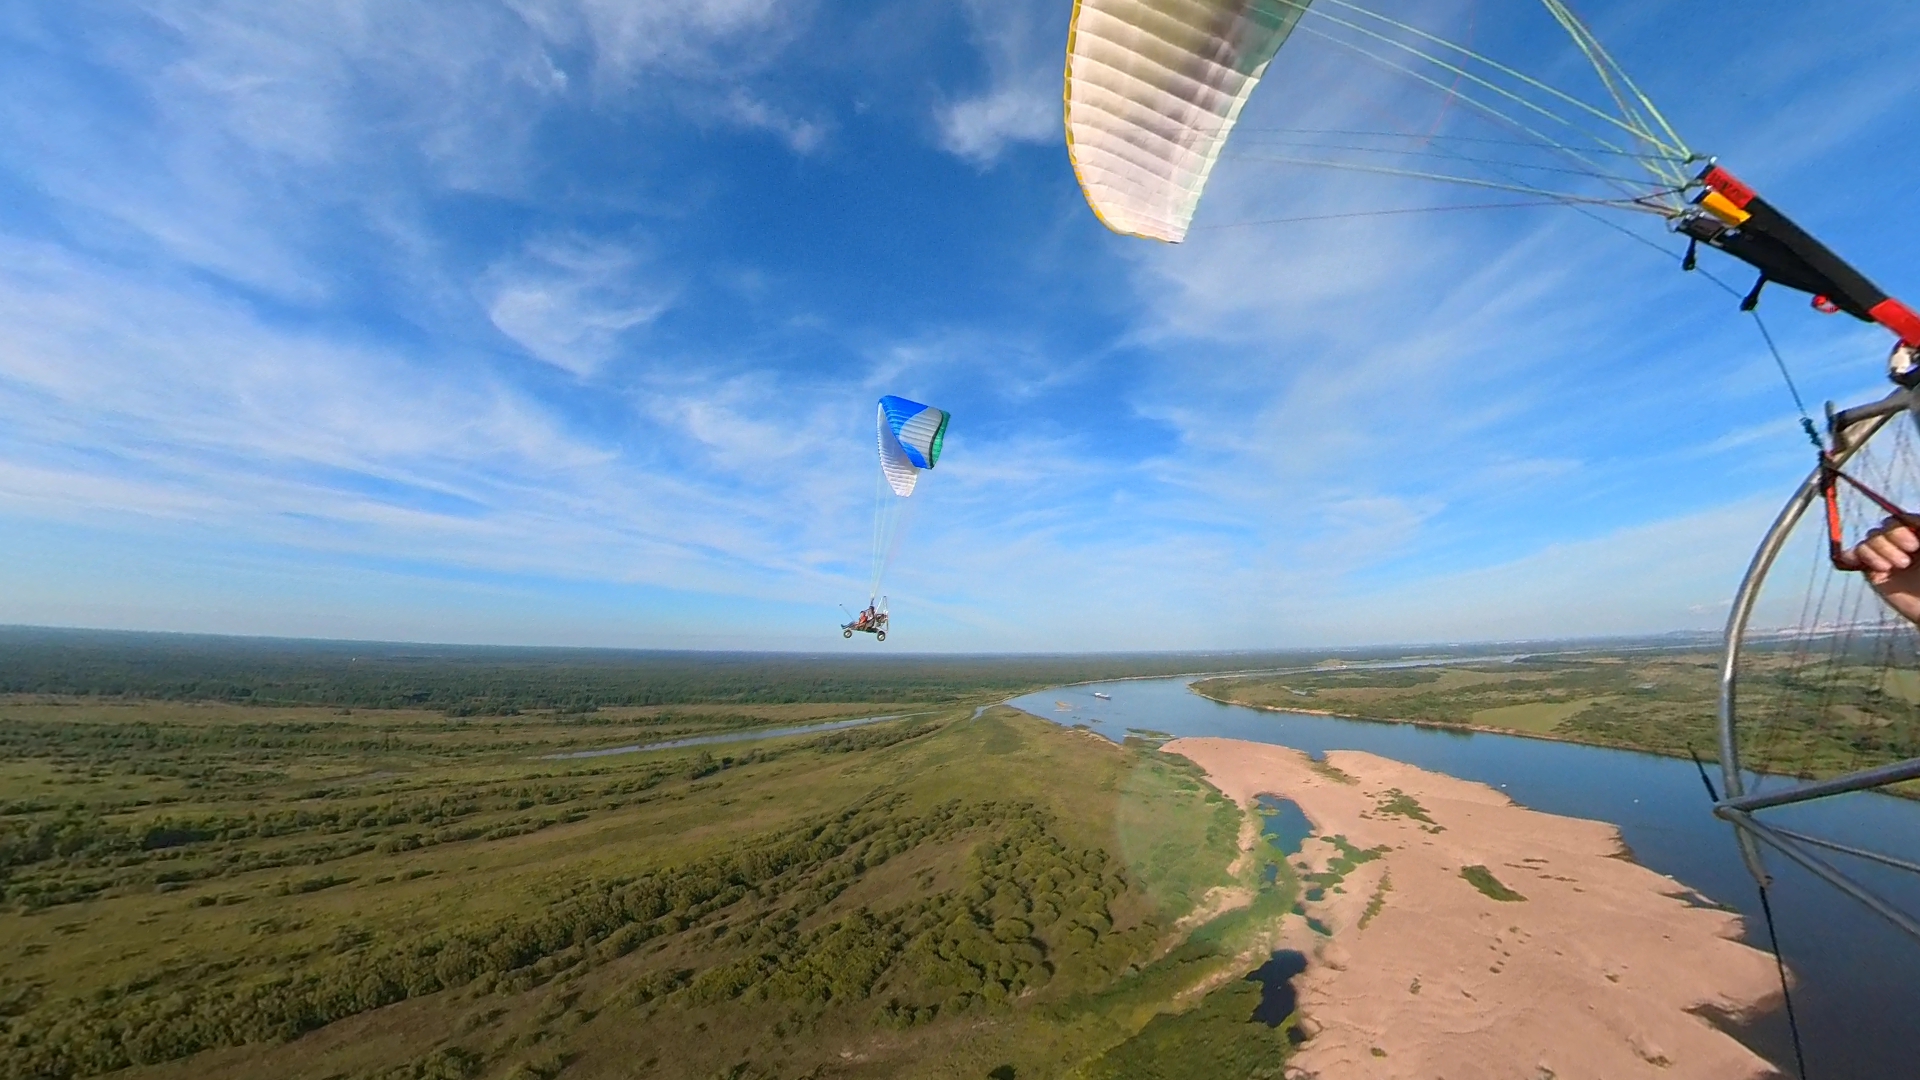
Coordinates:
(561,321)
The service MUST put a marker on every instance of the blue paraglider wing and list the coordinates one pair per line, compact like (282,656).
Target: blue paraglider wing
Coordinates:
(911,435)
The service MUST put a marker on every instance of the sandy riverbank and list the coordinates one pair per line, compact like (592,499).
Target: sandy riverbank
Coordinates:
(1599,972)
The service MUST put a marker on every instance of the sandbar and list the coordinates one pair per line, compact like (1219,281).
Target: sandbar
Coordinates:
(1566,961)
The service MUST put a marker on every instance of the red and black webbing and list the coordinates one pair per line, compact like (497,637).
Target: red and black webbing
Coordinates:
(1831,477)
(1752,230)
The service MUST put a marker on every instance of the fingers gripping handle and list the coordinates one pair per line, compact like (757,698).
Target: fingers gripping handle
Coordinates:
(1831,477)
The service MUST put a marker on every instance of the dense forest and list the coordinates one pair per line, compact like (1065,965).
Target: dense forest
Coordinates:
(465,680)
(487,680)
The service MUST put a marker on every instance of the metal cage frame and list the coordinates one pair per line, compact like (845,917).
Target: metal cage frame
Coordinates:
(1849,430)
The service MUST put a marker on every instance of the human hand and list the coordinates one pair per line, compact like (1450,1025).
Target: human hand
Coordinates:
(1890,559)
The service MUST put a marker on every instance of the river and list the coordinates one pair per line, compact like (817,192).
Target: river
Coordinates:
(1858,980)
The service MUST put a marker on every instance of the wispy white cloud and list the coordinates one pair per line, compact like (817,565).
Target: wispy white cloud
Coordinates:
(981,128)
(703,52)
(1010,365)
(124,398)
(249,137)
(695,37)
(131,404)
(1019,43)
(572,302)
(1673,574)
(801,136)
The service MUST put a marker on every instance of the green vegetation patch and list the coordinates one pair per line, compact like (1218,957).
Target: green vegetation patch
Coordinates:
(1482,878)
(1343,863)
(1215,1040)
(1378,901)
(1176,833)
(1396,802)
(1145,739)
(1902,684)
(1333,772)
(1539,717)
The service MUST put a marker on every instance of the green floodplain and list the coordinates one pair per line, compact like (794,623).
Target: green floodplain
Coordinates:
(218,885)
(236,859)
(1843,714)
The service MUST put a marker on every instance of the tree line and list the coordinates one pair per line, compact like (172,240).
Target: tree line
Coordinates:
(481,681)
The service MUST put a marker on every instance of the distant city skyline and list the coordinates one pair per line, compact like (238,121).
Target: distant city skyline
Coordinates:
(555,322)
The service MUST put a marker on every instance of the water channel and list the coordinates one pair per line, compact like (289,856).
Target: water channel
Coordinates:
(1858,980)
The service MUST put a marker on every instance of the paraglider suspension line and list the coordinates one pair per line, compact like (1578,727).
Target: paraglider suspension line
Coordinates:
(1712,795)
(1800,403)
(1773,938)
(1748,303)
(1786,995)
(1690,264)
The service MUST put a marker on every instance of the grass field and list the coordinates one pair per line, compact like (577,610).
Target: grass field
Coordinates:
(213,891)
(1534,716)
(1661,702)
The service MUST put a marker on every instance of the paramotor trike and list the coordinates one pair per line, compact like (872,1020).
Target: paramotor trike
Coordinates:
(873,621)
